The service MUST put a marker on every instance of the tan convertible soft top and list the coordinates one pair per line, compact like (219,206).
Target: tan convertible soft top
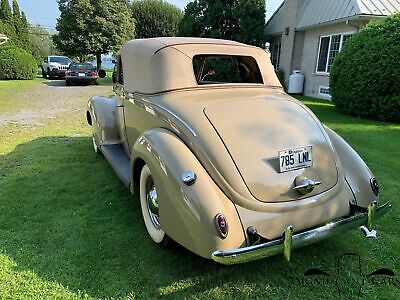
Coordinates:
(163,64)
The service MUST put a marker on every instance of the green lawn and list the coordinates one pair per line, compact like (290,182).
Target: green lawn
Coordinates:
(69,228)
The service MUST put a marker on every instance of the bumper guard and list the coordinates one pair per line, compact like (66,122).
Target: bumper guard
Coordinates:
(288,242)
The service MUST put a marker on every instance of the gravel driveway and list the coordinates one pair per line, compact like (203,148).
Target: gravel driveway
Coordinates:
(50,98)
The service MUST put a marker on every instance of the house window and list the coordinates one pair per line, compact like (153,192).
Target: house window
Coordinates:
(275,55)
(329,47)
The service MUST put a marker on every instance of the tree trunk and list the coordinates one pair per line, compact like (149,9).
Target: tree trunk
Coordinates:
(98,60)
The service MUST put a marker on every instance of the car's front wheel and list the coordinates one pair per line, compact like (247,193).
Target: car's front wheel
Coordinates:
(48,73)
(149,202)
(44,74)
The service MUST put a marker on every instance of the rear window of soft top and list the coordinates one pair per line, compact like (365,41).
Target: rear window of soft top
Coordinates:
(220,69)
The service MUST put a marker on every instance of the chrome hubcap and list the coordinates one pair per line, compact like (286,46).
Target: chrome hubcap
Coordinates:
(152,202)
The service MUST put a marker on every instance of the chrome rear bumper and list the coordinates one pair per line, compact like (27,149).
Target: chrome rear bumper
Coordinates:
(283,245)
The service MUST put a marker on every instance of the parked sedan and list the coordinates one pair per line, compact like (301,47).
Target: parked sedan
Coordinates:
(224,162)
(81,73)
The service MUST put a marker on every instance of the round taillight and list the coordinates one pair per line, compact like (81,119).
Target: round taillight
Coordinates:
(222,225)
(374,186)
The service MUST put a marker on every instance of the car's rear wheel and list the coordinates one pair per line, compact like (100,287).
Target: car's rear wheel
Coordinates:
(149,203)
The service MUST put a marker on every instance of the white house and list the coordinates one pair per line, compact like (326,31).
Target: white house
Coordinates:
(3,39)
(306,35)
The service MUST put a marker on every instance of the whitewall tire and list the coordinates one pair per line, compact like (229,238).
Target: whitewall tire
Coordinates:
(149,204)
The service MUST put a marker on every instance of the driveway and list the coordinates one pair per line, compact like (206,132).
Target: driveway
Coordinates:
(48,99)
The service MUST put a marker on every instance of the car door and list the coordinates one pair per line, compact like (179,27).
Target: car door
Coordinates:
(119,94)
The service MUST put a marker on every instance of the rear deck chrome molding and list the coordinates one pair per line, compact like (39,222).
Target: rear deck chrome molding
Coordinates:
(246,254)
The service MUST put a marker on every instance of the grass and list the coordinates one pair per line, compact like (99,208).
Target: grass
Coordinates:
(70,230)
(8,102)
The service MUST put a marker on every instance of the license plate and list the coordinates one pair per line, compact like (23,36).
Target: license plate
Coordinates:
(294,159)
(82,74)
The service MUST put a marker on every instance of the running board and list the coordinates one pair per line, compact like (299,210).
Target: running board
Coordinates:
(119,161)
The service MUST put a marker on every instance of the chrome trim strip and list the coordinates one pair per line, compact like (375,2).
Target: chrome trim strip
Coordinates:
(130,96)
(246,254)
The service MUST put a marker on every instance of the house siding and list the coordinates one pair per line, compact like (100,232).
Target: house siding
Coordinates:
(298,50)
(310,55)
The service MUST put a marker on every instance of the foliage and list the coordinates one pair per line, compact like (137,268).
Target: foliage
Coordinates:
(16,63)
(237,20)
(93,27)
(5,11)
(42,42)
(14,25)
(364,80)
(154,18)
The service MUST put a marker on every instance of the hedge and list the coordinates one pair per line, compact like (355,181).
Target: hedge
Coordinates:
(16,63)
(365,77)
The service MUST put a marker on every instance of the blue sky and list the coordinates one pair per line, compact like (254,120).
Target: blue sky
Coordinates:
(45,12)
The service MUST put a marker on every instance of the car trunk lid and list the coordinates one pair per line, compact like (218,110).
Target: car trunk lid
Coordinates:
(254,131)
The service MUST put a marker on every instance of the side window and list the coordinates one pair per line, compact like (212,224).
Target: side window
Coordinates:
(119,71)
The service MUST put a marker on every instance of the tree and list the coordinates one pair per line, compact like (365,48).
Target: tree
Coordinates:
(155,18)
(6,20)
(93,27)
(21,28)
(240,20)
(42,42)
(14,25)
(5,11)
(251,22)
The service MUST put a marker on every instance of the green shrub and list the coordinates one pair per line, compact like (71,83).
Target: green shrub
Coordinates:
(365,77)
(16,63)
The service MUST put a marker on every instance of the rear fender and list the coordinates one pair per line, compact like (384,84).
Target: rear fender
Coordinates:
(356,172)
(187,213)
(102,115)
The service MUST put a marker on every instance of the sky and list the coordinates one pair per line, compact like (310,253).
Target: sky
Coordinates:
(45,12)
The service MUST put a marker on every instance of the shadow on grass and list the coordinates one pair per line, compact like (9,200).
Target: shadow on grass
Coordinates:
(65,216)
(62,83)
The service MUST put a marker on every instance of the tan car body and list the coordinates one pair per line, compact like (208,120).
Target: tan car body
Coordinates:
(229,135)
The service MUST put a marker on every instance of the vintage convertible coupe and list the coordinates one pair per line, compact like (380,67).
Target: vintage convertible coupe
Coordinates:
(225,163)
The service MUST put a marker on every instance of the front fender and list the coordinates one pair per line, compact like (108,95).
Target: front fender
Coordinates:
(102,115)
(357,173)
(187,213)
